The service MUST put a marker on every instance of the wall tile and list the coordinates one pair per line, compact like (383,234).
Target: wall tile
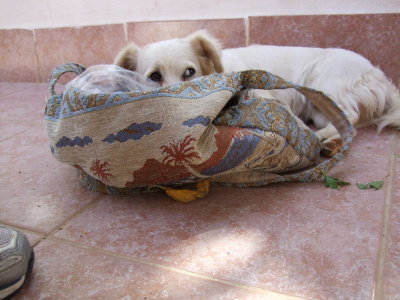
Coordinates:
(377,37)
(231,32)
(85,45)
(18,60)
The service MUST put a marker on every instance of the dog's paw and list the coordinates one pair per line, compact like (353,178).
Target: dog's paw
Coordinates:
(332,146)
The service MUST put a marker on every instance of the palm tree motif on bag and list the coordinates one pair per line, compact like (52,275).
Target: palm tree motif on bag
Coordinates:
(101,170)
(180,153)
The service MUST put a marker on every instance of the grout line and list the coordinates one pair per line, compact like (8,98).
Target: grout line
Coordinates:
(125,28)
(176,270)
(55,229)
(22,228)
(60,226)
(14,135)
(247,29)
(366,153)
(26,230)
(36,55)
(33,122)
(48,234)
(378,292)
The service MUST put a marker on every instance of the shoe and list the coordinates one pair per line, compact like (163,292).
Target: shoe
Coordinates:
(16,260)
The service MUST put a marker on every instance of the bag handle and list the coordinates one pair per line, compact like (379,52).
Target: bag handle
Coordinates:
(61,70)
(256,79)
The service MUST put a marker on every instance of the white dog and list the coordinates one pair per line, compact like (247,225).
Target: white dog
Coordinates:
(359,88)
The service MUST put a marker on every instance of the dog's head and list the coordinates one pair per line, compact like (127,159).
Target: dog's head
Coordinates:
(174,60)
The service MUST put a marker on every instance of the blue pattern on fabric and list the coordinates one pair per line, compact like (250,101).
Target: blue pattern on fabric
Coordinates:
(134,131)
(248,102)
(241,148)
(200,120)
(77,141)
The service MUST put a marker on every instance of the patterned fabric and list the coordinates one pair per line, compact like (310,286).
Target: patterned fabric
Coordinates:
(123,143)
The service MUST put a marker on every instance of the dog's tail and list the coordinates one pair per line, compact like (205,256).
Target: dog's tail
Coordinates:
(379,100)
(391,114)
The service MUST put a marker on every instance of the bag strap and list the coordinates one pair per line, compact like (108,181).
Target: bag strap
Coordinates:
(61,70)
(256,79)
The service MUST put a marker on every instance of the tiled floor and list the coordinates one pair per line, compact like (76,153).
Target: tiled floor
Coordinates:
(284,241)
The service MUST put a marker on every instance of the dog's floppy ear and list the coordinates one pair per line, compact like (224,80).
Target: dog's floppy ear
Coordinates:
(127,58)
(208,50)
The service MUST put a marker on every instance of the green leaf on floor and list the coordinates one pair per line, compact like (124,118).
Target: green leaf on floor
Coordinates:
(334,183)
(377,185)
(362,186)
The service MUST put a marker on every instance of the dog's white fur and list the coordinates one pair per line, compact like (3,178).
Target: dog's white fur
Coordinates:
(359,88)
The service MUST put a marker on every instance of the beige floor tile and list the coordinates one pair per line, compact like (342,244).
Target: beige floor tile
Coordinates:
(66,272)
(37,192)
(21,105)
(8,88)
(301,238)
(391,276)
(368,141)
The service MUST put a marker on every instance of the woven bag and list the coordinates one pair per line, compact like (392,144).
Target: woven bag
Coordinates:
(126,142)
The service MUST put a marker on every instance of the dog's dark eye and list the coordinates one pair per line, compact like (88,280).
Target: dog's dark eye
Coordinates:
(155,76)
(189,72)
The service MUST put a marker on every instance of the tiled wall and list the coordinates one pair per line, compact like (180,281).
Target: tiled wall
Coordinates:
(30,55)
